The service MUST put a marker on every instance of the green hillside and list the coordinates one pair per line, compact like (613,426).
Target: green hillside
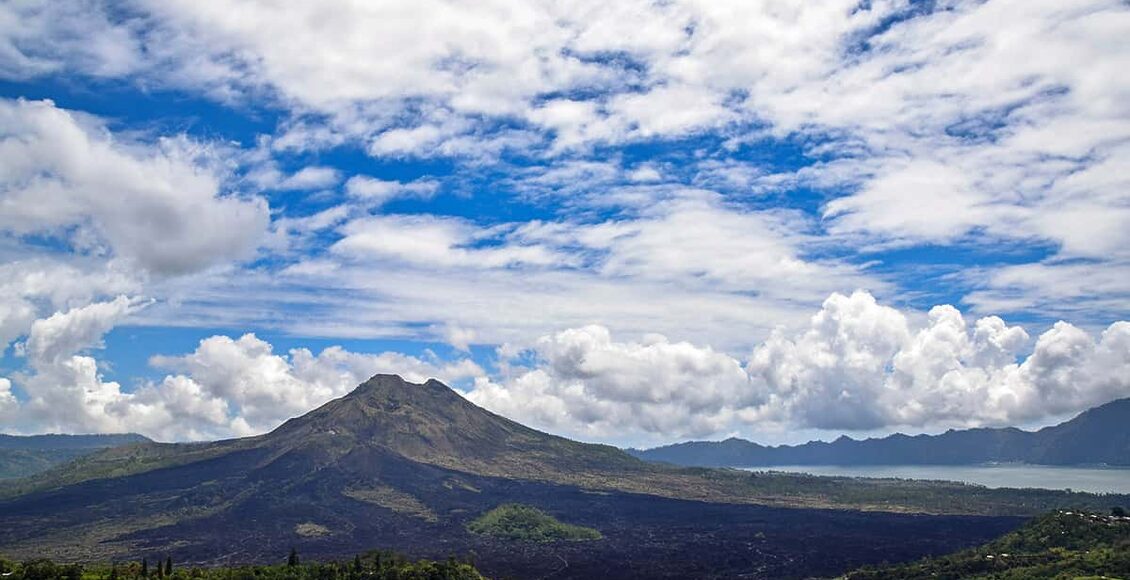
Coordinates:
(1064,544)
(528,524)
(23,456)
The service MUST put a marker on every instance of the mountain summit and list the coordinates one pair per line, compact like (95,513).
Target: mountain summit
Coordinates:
(384,417)
(370,468)
(431,423)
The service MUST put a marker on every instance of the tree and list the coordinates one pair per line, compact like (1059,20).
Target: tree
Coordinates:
(292,559)
(145,567)
(168,565)
(41,569)
(1118,512)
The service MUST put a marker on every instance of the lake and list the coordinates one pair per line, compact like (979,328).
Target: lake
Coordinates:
(1096,480)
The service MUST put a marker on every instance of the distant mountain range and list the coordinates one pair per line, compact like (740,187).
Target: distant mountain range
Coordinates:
(21,456)
(408,467)
(1099,436)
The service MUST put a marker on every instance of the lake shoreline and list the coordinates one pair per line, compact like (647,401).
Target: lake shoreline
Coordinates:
(1103,479)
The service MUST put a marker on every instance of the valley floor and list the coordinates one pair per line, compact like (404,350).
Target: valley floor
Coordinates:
(643,537)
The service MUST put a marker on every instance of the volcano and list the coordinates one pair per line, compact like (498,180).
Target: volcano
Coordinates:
(404,466)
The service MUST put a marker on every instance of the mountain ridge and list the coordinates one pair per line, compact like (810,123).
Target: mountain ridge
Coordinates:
(25,455)
(1097,436)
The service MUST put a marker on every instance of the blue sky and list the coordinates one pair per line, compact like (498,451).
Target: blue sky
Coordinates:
(635,223)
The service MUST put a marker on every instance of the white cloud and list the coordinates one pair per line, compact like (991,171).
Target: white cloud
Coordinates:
(64,390)
(42,37)
(858,366)
(830,376)
(226,387)
(8,402)
(719,274)
(458,337)
(992,132)
(31,284)
(645,173)
(261,389)
(158,205)
(1084,289)
(378,191)
(589,385)
(433,241)
(65,333)
(407,78)
(313,177)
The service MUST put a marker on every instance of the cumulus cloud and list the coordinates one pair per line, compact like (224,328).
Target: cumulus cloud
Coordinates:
(65,333)
(158,205)
(260,389)
(590,385)
(226,387)
(858,366)
(64,389)
(8,402)
(31,285)
(861,365)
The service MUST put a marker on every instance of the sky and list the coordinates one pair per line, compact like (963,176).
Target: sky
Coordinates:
(635,222)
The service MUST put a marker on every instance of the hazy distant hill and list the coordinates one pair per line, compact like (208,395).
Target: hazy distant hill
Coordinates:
(21,456)
(407,467)
(1097,436)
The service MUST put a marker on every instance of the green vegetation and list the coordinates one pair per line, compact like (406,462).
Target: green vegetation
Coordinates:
(15,463)
(1064,544)
(525,523)
(22,456)
(374,566)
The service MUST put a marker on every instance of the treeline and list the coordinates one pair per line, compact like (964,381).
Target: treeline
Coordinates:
(377,565)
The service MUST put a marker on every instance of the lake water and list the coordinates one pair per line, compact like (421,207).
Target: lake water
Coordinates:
(1096,480)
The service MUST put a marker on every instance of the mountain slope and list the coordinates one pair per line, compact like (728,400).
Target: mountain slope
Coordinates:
(430,423)
(427,423)
(1097,436)
(1065,544)
(21,456)
(407,467)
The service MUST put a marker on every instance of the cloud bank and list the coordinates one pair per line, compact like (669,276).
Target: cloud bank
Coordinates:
(859,365)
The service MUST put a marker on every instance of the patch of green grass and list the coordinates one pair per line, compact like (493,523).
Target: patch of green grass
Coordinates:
(525,523)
